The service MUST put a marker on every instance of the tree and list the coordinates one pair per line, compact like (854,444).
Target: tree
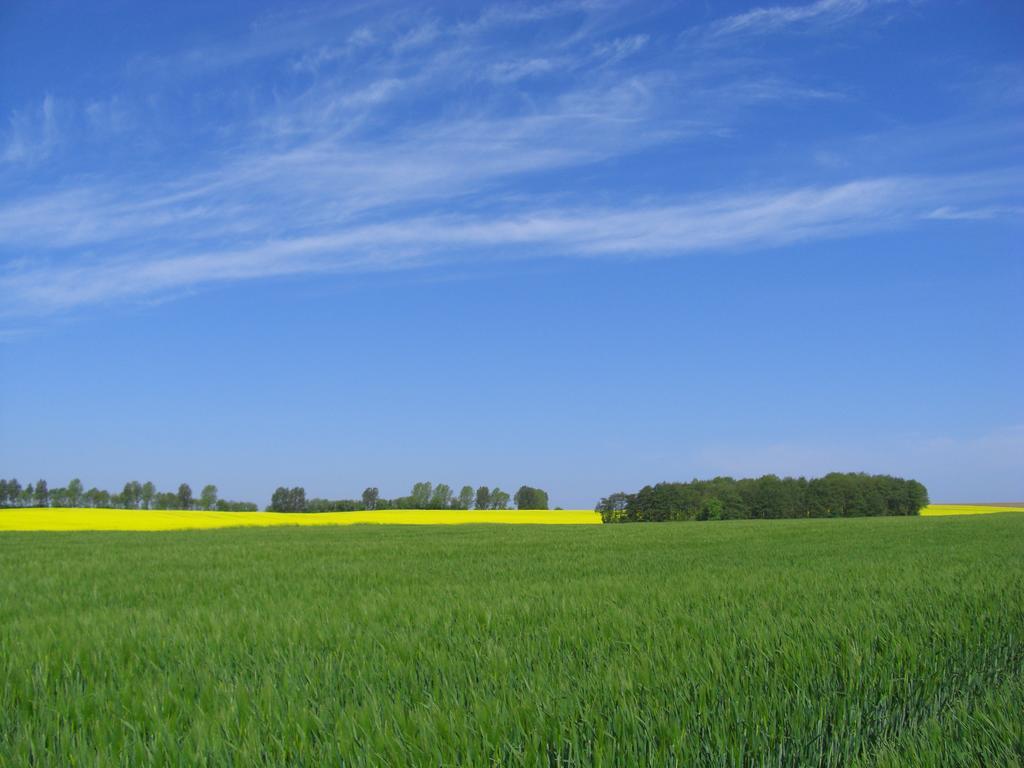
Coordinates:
(421,495)
(613,508)
(185,496)
(279,500)
(370,496)
(75,493)
(499,499)
(712,509)
(288,500)
(147,494)
(441,498)
(465,500)
(131,495)
(13,492)
(483,497)
(235,506)
(916,497)
(768,497)
(531,498)
(208,497)
(165,500)
(41,497)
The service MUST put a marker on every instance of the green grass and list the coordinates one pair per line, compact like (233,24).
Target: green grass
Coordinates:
(862,642)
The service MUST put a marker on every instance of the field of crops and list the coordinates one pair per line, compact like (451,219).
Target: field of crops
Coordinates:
(967,509)
(870,642)
(61,519)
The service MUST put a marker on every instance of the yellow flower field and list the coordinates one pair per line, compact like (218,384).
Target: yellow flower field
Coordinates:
(62,519)
(965,509)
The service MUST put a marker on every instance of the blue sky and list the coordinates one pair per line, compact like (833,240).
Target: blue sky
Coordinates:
(579,245)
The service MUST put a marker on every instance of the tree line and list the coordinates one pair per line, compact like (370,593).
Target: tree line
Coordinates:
(724,498)
(134,495)
(423,496)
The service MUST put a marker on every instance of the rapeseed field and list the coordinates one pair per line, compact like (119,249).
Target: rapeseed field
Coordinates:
(78,519)
(65,519)
(966,509)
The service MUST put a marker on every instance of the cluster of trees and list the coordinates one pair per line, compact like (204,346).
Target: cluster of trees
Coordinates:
(134,495)
(723,498)
(423,496)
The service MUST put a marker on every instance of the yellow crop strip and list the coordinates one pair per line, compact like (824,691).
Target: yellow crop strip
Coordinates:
(934,510)
(63,519)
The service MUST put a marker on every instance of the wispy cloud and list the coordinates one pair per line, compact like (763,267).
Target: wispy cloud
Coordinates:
(417,37)
(325,179)
(109,116)
(950,213)
(32,133)
(511,71)
(312,60)
(616,50)
(779,17)
(407,139)
(725,222)
(276,35)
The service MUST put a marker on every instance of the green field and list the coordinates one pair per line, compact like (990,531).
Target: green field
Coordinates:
(867,642)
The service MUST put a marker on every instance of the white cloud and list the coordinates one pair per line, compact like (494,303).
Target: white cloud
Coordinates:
(324,177)
(727,222)
(109,116)
(620,48)
(951,213)
(275,35)
(419,36)
(775,18)
(511,71)
(312,60)
(33,133)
